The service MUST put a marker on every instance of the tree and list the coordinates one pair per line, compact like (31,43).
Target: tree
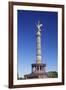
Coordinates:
(52,74)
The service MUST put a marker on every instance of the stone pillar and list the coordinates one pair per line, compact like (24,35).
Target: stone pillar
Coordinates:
(33,69)
(38,51)
(39,69)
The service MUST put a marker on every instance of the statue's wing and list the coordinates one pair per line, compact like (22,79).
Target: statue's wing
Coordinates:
(41,25)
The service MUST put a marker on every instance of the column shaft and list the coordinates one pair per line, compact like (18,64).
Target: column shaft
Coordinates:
(38,52)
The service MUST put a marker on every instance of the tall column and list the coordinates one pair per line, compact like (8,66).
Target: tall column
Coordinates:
(38,49)
(38,42)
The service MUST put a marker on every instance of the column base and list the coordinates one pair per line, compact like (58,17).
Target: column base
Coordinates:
(38,72)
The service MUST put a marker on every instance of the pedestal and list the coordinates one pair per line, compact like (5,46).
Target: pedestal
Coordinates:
(38,71)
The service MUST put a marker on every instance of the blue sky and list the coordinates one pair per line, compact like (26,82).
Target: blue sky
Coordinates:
(27,29)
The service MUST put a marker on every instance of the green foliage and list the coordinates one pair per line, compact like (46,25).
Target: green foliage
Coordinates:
(52,74)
